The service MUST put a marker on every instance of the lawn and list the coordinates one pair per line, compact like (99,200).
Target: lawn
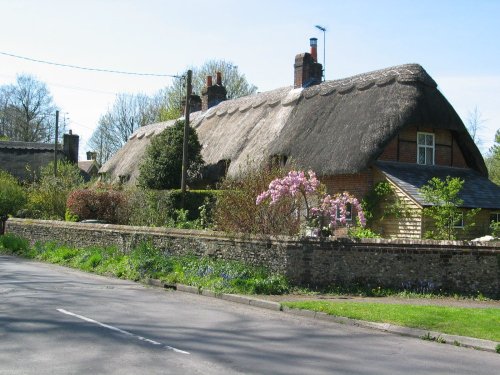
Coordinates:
(481,323)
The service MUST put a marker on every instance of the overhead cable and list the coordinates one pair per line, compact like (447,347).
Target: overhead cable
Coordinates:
(87,68)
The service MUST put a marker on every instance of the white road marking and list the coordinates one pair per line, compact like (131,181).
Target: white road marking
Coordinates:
(121,331)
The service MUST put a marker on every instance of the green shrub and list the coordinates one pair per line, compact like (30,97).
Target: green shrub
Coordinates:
(12,195)
(161,207)
(162,165)
(14,244)
(495,229)
(47,196)
(360,232)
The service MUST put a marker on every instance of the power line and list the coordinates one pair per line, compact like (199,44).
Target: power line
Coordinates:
(87,68)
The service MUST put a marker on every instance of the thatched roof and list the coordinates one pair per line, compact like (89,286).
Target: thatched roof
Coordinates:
(126,161)
(335,127)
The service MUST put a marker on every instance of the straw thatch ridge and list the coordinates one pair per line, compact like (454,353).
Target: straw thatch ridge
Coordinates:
(335,127)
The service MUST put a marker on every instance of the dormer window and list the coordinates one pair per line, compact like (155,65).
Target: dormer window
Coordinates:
(425,148)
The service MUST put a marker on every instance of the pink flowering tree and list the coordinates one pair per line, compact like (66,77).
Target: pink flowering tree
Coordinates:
(336,209)
(307,188)
(295,184)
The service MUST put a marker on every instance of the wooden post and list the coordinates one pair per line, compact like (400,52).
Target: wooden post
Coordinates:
(55,143)
(186,135)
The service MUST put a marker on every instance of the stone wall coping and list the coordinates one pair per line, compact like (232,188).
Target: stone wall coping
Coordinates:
(434,245)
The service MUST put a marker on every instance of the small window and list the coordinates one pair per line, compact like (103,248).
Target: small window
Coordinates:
(278,161)
(348,215)
(459,221)
(425,148)
(495,217)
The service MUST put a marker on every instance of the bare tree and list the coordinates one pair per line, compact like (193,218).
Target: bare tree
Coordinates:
(474,125)
(104,140)
(27,111)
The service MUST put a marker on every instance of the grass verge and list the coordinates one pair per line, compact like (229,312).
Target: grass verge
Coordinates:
(471,322)
(145,262)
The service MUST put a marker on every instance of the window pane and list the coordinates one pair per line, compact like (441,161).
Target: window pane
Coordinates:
(421,155)
(428,156)
(429,140)
(421,139)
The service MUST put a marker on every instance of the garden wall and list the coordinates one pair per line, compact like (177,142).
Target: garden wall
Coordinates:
(453,266)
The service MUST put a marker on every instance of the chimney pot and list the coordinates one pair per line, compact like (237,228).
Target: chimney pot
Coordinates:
(314,48)
(209,81)
(219,78)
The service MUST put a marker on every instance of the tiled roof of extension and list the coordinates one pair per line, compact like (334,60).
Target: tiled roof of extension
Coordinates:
(477,190)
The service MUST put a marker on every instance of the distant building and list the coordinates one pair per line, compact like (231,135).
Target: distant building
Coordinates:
(23,159)
(90,167)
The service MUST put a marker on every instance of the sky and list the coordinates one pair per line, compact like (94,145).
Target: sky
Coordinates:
(456,41)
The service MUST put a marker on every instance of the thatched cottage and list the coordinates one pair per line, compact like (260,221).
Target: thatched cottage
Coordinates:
(388,125)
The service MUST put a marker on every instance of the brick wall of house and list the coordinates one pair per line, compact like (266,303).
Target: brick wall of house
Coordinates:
(358,184)
(452,266)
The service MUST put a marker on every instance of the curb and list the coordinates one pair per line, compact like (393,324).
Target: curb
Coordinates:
(443,338)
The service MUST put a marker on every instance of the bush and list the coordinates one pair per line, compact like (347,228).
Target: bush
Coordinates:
(495,229)
(360,232)
(162,165)
(236,210)
(14,244)
(47,197)
(94,204)
(159,207)
(12,197)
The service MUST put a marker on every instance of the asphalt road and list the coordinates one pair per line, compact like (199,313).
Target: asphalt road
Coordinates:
(55,320)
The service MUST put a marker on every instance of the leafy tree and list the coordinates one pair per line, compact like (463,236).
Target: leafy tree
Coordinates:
(493,160)
(27,110)
(48,195)
(235,83)
(162,166)
(12,197)
(445,208)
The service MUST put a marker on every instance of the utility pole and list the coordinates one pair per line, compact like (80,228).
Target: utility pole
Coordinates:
(55,143)
(186,135)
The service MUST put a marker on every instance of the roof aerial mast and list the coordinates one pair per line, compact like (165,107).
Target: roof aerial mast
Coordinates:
(322,28)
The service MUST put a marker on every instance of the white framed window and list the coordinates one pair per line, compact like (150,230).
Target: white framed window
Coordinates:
(348,214)
(425,148)
(495,217)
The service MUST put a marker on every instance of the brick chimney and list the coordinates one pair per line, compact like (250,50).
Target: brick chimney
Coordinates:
(91,155)
(211,94)
(308,71)
(195,103)
(70,146)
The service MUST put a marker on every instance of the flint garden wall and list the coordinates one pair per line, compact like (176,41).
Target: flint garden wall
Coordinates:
(453,266)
